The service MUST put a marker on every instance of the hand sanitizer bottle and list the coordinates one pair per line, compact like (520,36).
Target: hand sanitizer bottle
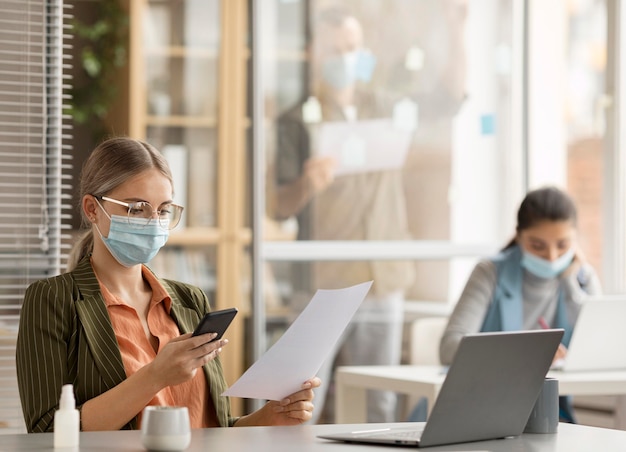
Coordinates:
(66,420)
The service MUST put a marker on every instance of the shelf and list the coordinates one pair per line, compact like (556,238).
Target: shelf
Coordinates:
(202,236)
(181,52)
(188,121)
(181,121)
(205,235)
(195,236)
(291,55)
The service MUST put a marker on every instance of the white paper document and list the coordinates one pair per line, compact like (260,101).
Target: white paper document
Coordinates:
(303,348)
(365,145)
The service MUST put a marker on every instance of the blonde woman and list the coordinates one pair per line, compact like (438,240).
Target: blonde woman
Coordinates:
(113,329)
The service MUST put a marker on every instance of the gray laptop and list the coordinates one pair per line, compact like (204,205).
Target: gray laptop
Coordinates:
(488,393)
(599,338)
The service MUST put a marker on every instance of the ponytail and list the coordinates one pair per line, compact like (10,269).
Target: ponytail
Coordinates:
(110,164)
(83,247)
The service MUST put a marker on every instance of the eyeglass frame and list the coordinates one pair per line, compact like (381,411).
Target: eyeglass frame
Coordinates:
(129,205)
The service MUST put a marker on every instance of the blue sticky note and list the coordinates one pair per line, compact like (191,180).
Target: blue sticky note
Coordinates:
(488,124)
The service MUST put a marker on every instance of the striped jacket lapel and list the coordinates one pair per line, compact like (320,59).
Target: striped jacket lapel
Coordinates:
(186,318)
(92,312)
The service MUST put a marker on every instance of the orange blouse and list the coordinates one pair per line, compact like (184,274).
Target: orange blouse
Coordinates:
(137,351)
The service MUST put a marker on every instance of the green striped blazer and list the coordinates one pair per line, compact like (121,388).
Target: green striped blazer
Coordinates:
(65,336)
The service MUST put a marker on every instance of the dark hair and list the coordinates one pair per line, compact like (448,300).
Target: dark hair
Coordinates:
(547,203)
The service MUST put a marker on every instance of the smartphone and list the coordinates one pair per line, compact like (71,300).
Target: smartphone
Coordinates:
(216,322)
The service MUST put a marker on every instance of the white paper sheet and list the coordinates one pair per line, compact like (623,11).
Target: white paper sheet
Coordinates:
(302,349)
(365,145)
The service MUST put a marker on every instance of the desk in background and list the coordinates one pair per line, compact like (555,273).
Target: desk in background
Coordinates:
(303,439)
(425,381)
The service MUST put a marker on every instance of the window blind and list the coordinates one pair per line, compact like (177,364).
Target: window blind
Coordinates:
(34,189)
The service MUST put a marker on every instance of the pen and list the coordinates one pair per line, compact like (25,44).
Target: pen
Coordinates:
(543,324)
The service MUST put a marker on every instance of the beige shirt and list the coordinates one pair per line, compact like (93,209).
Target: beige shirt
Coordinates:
(367,206)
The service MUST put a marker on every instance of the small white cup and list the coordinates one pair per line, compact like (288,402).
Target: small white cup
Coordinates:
(165,428)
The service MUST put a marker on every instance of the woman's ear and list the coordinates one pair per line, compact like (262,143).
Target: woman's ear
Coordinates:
(90,208)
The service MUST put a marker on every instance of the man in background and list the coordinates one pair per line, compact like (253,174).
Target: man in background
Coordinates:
(360,205)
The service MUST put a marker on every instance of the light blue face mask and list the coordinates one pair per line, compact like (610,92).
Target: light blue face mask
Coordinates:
(132,243)
(544,268)
(342,71)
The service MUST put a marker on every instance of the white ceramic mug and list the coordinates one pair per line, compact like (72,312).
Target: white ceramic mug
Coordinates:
(165,428)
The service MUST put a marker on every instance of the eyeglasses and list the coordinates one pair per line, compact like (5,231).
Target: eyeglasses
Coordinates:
(168,216)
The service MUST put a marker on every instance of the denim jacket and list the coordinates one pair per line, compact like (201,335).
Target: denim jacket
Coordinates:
(505,312)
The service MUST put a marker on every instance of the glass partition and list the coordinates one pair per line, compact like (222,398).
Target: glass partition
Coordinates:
(392,126)
(393,151)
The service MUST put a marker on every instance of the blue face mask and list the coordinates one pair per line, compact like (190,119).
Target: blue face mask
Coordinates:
(342,71)
(544,268)
(132,243)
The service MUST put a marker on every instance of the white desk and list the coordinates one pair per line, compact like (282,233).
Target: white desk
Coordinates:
(425,381)
(303,439)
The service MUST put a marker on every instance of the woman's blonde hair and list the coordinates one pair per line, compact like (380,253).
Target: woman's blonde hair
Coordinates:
(109,165)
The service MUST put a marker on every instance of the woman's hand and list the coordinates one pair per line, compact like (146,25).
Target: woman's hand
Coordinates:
(177,362)
(295,409)
(576,264)
(180,359)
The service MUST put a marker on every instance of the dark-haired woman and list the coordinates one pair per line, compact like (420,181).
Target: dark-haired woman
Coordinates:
(539,279)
